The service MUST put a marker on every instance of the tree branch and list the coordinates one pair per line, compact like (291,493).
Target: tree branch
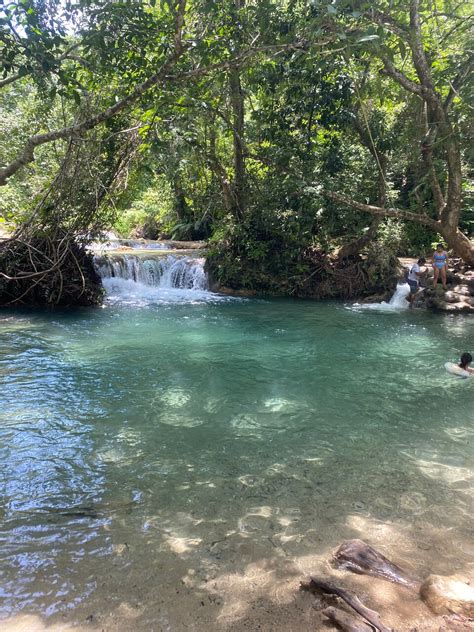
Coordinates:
(242,57)
(27,155)
(400,78)
(457,82)
(418,54)
(397,213)
(388,22)
(427,155)
(65,55)
(10,79)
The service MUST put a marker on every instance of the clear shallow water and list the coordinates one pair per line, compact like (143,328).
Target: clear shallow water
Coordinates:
(168,434)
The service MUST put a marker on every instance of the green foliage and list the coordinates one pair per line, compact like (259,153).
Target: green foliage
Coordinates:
(315,117)
(416,240)
(264,253)
(150,213)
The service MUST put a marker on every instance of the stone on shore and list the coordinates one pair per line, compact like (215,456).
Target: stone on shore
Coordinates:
(446,595)
(459,297)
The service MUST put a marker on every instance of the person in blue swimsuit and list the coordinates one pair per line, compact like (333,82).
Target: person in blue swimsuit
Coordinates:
(440,264)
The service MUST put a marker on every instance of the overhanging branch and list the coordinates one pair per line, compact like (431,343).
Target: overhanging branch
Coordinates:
(162,76)
(397,213)
(388,22)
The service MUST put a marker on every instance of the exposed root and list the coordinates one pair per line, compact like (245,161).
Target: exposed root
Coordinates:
(348,277)
(47,270)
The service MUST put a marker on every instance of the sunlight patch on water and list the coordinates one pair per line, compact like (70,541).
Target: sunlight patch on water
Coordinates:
(279,404)
(32,623)
(178,420)
(459,433)
(181,545)
(448,473)
(176,398)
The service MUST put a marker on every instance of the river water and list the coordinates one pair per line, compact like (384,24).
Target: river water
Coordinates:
(175,443)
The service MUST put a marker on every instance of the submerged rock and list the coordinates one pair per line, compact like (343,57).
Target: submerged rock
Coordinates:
(359,557)
(446,595)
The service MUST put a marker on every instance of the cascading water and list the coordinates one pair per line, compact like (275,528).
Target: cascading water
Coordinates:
(165,272)
(399,298)
(169,279)
(396,303)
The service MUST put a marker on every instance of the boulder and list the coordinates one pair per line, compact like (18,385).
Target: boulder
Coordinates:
(461,289)
(446,595)
(451,297)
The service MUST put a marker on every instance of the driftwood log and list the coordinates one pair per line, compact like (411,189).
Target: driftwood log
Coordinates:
(443,595)
(359,557)
(372,617)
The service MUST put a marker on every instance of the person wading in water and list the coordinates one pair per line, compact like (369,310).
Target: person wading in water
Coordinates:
(466,360)
(413,279)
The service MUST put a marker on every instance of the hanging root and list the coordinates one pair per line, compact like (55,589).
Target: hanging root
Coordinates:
(348,277)
(46,270)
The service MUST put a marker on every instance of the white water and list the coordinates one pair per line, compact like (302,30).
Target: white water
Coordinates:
(397,302)
(131,279)
(163,272)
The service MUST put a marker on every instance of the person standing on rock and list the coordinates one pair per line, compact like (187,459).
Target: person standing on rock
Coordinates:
(413,279)
(440,264)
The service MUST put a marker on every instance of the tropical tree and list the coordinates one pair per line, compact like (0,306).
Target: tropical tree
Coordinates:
(424,52)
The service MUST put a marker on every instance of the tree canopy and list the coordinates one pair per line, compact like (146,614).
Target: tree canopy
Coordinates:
(271,127)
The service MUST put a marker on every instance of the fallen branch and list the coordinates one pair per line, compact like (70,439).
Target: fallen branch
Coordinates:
(372,617)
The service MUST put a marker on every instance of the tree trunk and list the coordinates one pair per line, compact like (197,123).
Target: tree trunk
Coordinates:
(180,205)
(461,245)
(219,171)
(441,136)
(455,238)
(237,102)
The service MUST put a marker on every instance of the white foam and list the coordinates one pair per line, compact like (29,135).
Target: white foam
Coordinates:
(130,292)
(397,303)
(134,280)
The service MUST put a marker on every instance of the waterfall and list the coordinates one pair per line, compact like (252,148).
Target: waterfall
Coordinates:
(152,276)
(399,298)
(396,303)
(164,272)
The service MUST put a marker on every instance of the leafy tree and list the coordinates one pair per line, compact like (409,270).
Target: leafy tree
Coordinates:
(423,51)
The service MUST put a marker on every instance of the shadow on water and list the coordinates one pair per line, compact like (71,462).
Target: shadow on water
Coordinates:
(186,472)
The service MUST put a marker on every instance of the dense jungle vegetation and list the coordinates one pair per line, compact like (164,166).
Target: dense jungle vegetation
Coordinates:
(310,141)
